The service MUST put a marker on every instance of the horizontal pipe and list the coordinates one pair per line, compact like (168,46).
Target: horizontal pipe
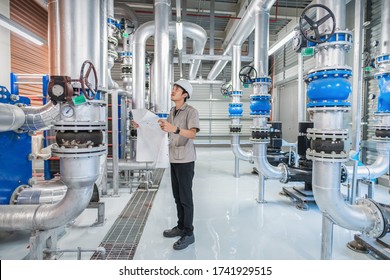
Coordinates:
(12,117)
(47,193)
(131,165)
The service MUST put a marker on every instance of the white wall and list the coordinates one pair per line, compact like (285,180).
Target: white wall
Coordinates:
(5,49)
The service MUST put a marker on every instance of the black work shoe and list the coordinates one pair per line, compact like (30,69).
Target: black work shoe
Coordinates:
(173,232)
(183,242)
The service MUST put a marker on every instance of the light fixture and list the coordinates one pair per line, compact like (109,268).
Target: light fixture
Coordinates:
(281,43)
(179,35)
(20,30)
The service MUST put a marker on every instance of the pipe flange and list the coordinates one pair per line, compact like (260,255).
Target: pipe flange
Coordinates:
(323,70)
(337,134)
(79,153)
(113,40)
(235,128)
(379,228)
(76,126)
(326,157)
(286,174)
(113,54)
(343,109)
(14,197)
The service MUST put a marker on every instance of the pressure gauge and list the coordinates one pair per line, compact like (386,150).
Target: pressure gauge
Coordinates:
(67,111)
(57,90)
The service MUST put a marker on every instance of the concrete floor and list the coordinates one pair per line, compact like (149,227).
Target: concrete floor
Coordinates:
(229,223)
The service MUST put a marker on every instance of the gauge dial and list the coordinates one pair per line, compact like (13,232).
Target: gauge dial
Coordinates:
(67,111)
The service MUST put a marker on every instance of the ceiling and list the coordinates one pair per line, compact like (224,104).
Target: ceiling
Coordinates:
(227,13)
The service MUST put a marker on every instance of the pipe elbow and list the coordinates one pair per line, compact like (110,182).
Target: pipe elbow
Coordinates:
(38,118)
(242,154)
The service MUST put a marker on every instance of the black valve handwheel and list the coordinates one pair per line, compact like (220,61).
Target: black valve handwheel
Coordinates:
(245,74)
(315,25)
(226,88)
(84,80)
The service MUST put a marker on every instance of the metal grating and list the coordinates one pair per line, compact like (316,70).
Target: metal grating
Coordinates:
(122,239)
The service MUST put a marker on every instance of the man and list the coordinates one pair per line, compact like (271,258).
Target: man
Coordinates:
(182,125)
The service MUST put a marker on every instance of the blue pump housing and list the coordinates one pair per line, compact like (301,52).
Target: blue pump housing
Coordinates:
(384,92)
(15,167)
(329,88)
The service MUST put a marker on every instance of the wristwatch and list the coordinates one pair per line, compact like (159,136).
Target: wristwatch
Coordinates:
(177,130)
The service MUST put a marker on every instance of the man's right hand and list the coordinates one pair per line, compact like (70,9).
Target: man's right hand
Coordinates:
(135,125)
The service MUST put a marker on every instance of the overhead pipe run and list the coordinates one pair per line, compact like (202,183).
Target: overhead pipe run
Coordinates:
(244,29)
(141,35)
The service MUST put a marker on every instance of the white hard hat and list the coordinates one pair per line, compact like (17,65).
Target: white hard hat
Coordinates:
(185,85)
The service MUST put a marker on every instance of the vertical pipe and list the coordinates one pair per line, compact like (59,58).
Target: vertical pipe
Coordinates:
(73,37)
(103,43)
(161,57)
(115,141)
(141,35)
(327,237)
(236,86)
(261,43)
(301,91)
(385,23)
(357,90)
(261,193)
(212,26)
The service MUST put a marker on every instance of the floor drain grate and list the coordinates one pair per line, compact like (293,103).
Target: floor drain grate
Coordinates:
(122,239)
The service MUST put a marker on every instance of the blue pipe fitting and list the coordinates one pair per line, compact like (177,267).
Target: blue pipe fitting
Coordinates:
(260,105)
(264,80)
(336,37)
(162,115)
(235,109)
(124,54)
(329,88)
(384,92)
(383,59)
(236,93)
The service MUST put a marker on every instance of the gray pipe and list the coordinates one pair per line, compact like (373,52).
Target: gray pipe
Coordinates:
(244,29)
(373,171)
(46,193)
(79,175)
(326,190)
(12,117)
(132,165)
(269,171)
(261,42)
(160,89)
(127,12)
(69,30)
(103,44)
(141,35)
(199,37)
(41,117)
(385,23)
(238,151)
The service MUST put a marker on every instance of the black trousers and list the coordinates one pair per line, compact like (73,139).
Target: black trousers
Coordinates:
(181,177)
